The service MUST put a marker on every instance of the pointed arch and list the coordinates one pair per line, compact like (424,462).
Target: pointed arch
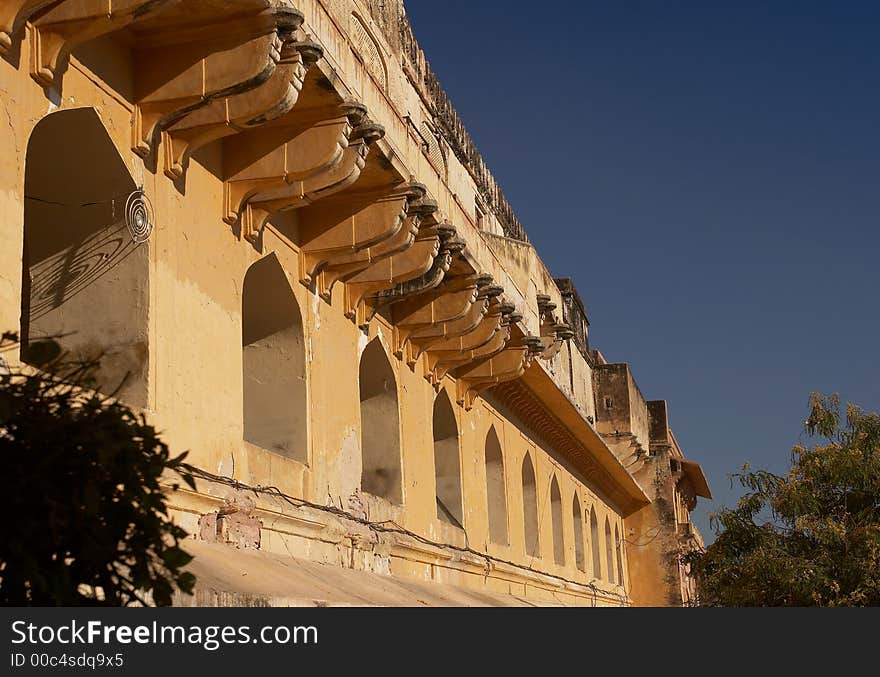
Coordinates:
(380,425)
(556,522)
(274,396)
(618,549)
(447,462)
(496,489)
(594,543)
(85,280)
(530,508)
(609,551)
(578,524)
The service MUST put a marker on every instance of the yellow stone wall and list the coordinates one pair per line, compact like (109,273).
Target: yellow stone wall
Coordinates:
(197,265)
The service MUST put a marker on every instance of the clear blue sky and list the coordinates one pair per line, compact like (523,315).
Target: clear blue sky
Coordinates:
(709,175)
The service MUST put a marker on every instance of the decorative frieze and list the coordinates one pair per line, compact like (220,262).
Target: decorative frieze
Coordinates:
(225,116)
(313,153)
(56,29)
(335,230)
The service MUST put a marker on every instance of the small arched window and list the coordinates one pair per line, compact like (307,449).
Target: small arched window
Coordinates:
(273,362)
(578,524)
(496,489)
(556,517)
(380,425)
(530,508)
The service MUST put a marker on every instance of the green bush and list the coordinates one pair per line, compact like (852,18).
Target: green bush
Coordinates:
(86,520)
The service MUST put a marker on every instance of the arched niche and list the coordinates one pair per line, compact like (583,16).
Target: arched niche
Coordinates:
(530,508)
(578,527)
(557,526)
(275,397)
(618,549)
(380,425)
(496,489)
(609,551)
(447,462)
(85,281)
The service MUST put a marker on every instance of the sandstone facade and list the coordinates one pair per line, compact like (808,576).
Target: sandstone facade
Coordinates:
(268,219)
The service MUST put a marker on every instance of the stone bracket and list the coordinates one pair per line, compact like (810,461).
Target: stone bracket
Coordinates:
(488,340)
(450,247)
(507,365)
(225,116)
(423,340)
(446,303)
(62,27)
(419,209)
(459,348)
(188,61)
(554,332)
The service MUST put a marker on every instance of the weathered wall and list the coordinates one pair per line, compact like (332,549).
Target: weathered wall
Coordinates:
(621,411)
(183,300)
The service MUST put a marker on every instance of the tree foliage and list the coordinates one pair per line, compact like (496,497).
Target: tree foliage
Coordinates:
(810,537)
(85,519)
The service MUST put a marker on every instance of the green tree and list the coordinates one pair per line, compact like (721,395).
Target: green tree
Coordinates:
(810,537)
(85,519)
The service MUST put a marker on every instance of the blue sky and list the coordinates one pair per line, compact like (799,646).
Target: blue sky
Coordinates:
(708,175)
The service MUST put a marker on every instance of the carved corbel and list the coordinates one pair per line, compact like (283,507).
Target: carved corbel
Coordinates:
(553,332)
(463,336)
(315,154)
(507,365)
(349,224)
(13,13)
(545,304)
(202,54)
(225,116)
(396,270)
(63,26)
(345,266)
(489,339)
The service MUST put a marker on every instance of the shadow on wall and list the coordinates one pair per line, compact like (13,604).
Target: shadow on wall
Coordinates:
(84,278)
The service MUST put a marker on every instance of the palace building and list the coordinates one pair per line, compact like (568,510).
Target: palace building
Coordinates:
(267,219)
